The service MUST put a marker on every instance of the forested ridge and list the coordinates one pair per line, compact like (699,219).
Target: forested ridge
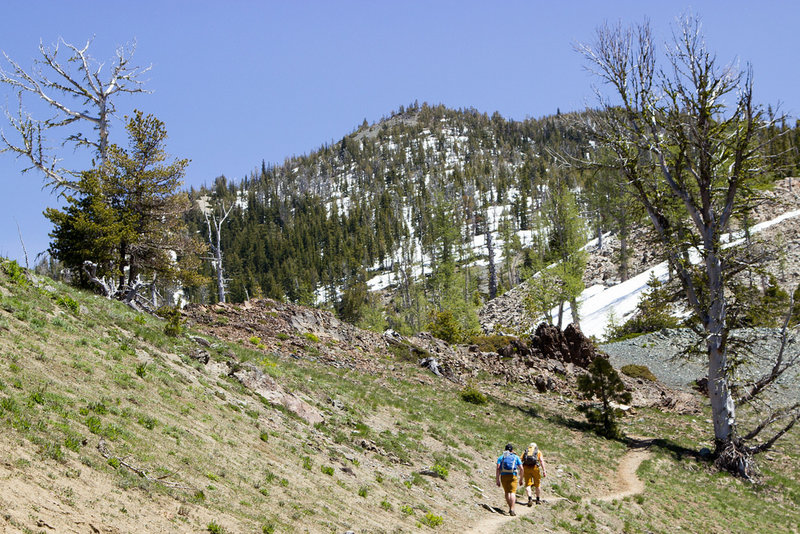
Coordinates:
(427,180)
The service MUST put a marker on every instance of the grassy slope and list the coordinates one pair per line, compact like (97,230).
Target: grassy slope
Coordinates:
(71,377)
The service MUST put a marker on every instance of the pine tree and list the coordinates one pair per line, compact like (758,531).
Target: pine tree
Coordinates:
(565,241)
(603,382)
(128,221)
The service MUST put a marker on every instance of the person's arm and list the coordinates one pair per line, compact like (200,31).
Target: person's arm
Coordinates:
(541,462)
(521,470)
(497,474)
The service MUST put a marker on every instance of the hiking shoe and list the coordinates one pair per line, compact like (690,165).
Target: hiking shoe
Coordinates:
(530,502)
(511,512)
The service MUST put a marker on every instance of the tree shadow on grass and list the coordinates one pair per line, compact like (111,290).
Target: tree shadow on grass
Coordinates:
(535,411)
(678,452)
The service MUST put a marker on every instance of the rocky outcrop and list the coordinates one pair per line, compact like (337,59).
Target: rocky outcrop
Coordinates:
(262,384)
(548,361)
(550,343)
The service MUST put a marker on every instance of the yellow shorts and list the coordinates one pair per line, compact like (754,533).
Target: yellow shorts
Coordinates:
(509,483)
(533,477)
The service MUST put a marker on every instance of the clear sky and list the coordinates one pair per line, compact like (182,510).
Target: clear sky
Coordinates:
(237,82)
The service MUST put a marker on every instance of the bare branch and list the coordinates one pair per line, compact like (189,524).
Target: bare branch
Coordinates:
(781,363)
(105,453)
(57,81)
(793,412)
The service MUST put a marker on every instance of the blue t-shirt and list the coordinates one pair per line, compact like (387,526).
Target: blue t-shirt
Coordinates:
(517,463)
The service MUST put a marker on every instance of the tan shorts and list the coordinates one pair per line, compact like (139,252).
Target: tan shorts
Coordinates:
(533,477)
(509,483)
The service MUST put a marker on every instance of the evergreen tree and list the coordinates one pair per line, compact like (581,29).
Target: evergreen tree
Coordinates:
(603,382)
(88,230)
(565,241)
(128,220)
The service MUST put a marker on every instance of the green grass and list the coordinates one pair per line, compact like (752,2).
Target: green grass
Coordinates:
(66,381)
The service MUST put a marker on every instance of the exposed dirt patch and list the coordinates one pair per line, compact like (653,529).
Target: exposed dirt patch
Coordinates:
(47,496)
(626,483)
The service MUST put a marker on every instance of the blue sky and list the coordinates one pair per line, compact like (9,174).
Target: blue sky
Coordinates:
(237,82)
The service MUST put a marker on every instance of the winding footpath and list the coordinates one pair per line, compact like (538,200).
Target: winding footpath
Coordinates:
(625,484)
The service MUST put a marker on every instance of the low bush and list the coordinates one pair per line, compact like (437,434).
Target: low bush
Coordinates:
(68,302)
(473,395)
(172,315)
(638,371)
(431,520)
(440,471)
(15,272)
(444,326)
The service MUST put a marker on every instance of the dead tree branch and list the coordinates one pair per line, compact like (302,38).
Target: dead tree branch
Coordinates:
(59,82)
(105,453)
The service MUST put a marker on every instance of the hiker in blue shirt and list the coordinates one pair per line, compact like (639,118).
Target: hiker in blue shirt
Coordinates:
(509,472)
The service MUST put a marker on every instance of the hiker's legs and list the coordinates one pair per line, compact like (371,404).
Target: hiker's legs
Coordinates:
(509,483)
(537,481)
(528,483)
(511,498)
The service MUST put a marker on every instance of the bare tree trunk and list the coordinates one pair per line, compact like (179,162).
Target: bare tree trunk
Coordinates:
(215,242)
(623,257)
(722,404)
(24,250)
(492,269)
(573,307)
(599,236)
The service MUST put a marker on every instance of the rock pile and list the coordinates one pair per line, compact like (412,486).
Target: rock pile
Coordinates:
(550,360)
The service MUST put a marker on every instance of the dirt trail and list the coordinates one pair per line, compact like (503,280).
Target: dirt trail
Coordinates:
(625,484)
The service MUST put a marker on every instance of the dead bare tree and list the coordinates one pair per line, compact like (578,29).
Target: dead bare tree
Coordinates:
(59,82)
(490,251)
(689,141)
(24,250)
(214,226)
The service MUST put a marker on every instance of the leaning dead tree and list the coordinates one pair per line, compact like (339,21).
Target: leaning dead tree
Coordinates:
(77,89)
(214,226)
(690,143)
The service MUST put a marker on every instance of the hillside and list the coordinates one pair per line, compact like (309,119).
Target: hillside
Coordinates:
(775,225)
(271,417)
(433,209)
(387,202)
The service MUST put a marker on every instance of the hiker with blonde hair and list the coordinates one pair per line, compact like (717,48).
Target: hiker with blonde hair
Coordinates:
(533,463)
